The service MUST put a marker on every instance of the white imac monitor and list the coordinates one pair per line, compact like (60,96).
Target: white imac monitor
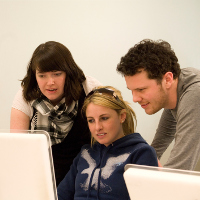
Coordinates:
(26,166)
(155,183)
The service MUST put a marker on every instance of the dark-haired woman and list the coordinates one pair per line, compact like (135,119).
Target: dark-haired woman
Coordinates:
(51,97)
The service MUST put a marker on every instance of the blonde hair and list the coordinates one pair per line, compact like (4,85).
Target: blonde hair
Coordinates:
(112,102)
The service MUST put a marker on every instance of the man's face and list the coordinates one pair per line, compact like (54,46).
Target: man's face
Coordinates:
(147,92)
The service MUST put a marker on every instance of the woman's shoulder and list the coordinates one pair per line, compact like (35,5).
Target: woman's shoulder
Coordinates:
(19,103)
(90,83)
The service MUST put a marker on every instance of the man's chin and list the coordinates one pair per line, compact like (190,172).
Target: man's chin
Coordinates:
(150,112)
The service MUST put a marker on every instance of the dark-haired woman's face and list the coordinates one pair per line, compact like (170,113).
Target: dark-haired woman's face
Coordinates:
(51,85)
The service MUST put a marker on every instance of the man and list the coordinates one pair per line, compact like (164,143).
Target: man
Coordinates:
(153,75)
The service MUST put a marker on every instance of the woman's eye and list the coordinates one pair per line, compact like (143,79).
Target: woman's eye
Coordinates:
(58,74)
(104,118)
(90,120)
(41,76)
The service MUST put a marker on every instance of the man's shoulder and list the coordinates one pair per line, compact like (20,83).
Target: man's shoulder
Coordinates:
(189,71)
(188,77)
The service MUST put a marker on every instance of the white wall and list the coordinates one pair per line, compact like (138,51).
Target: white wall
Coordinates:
(98,33)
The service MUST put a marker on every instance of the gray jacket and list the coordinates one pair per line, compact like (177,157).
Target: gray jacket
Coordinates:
(182,124)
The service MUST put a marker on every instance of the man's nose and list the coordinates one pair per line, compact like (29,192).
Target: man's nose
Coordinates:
(136,97)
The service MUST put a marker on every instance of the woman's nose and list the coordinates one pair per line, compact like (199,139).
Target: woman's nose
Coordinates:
(50,81)
(98,126)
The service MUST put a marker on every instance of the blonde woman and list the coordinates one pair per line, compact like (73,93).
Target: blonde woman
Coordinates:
(97,171)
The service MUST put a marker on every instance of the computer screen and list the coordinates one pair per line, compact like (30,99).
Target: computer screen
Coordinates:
(26,169)
(156,183)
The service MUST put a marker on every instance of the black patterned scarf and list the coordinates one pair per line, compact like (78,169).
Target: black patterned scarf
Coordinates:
(57,121)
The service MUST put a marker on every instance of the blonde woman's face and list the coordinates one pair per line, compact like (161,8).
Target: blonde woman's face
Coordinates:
(105,124)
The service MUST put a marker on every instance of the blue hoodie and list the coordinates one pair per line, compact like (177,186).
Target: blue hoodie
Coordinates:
(97,172)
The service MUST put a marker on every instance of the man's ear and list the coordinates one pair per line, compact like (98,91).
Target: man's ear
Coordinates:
(168,79)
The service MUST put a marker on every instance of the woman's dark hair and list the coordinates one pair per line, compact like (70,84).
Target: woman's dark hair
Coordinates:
(53,56)
(154,57)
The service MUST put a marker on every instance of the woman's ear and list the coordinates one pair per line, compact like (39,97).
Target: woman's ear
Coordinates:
(123,115)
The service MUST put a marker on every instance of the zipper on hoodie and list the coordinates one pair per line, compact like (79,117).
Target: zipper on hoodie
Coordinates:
(99,165)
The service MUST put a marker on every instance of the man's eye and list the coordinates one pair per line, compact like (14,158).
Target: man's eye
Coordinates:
(141,90)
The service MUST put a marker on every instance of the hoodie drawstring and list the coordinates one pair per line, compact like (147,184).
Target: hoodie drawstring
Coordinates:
(100,170)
